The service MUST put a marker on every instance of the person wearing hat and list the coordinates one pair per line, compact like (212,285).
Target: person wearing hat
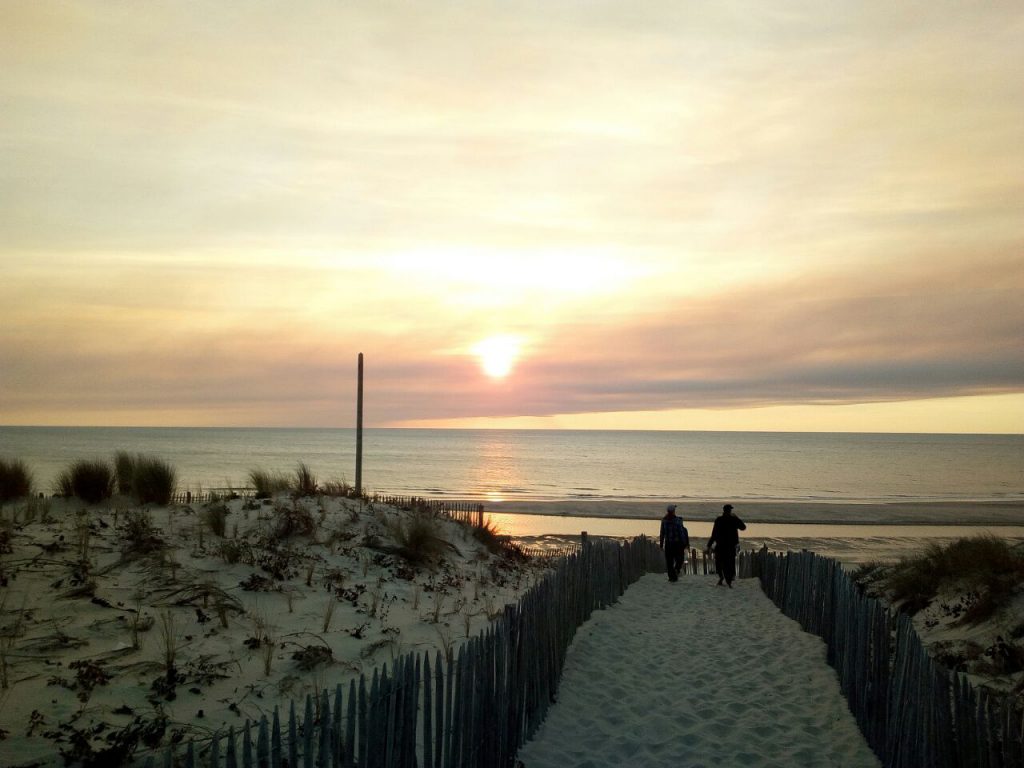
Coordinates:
(675,540)
(725,538)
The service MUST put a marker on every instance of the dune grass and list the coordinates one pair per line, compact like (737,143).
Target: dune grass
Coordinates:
(269,484)
(153,480)
(147,479)
(987,567)
(305,481)
(488,534)
(15,480)
(124,468)
(91,480)
(338,489)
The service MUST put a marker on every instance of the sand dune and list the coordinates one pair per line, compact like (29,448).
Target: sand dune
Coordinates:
(96,603)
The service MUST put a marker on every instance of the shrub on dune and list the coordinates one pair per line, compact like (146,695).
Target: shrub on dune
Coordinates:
(15,480)
(418,539)
(293,520)
(488,534)
(338,489)
(139,536)
(268,484)
(153,480)
(92,481)
(216,517)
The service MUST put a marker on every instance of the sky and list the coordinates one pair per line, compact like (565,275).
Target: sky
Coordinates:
(652,215)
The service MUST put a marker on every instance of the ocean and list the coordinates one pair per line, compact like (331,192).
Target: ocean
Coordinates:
(565,466)
(855,496)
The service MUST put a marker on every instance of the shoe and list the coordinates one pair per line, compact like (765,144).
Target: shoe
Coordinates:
(720,583)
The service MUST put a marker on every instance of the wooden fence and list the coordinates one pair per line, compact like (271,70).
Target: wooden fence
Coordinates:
(912,711)
(470,512)
(550,553)
(478,707)
(474,709)
(702,562)
(211,494)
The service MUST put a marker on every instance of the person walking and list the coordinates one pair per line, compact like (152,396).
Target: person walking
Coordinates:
(725,538)
(675,540)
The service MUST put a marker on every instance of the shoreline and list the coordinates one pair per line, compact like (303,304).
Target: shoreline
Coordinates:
(920,513)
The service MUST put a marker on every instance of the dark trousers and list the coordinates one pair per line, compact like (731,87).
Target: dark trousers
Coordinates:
(725,563)
(674,554)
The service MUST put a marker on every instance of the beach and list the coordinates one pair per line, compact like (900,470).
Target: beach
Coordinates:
(833,513)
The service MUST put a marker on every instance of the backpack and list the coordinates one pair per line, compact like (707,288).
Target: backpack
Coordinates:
(674,531)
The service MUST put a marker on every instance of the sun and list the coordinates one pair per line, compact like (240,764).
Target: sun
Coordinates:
(498,354)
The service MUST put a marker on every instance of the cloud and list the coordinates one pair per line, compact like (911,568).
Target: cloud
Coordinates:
(926,329)
(677,205)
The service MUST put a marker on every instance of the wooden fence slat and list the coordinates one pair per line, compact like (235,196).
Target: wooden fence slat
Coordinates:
(232,755)
(348,759)
(275,741)
(293,737)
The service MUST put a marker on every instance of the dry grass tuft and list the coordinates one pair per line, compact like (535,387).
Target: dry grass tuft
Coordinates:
(338,489)
(139,536)
(124,468)
(488,534)
(293,520)
(418,539)
(168,644)
(216,518)
(92,481)
(305,481)
(15,480)
(153,481)
(269,484)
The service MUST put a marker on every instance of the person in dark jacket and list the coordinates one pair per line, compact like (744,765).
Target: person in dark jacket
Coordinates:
(675,540)
(725,538)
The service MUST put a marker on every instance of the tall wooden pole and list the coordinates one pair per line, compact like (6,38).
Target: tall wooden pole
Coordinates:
(359,430)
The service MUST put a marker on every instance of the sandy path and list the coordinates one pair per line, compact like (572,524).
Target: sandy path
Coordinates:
(689,675)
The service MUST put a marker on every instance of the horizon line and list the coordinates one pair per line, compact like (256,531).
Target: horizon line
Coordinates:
(507,429)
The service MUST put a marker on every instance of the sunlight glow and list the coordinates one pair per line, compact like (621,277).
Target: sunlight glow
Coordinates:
(512,277)
(498,354)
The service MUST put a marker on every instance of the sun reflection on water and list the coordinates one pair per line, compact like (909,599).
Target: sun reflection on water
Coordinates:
(496,471)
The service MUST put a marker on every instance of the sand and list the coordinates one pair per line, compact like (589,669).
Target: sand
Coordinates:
(83,648)
(691,675)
